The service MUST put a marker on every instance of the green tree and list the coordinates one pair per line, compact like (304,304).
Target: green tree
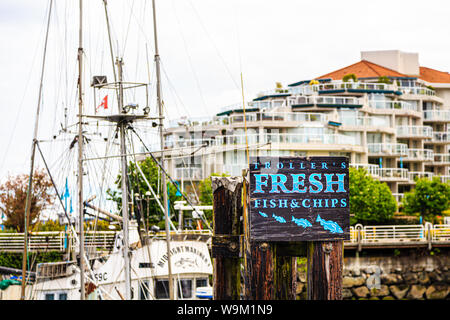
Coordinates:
(429,198)
(144,204)
(371,201)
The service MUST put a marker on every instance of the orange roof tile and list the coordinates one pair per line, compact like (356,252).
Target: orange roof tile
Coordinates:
(363,69)
(432,75)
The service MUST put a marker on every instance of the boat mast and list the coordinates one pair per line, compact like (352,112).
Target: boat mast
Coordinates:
(80,153)
(123,152)
(33,152)
(161,133)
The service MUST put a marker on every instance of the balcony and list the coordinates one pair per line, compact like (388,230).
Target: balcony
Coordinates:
(440,137)
(326,102)
(414,131)
(419,155)
(436,115)
(184,143)
(392,105)
(372,169)
(441,159)
(417,91)
(393,174)
(272,117)
(289,138)
(354,87)
(188,173)
(385,149)
(414,175)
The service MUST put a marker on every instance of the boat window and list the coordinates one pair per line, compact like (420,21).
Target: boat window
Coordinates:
(49,296)
(185,288)
(162,289)
(63,296)
(144,291)
(201,282)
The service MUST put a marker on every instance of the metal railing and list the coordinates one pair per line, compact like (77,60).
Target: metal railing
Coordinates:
(55,241)
(400,234)
(441,232)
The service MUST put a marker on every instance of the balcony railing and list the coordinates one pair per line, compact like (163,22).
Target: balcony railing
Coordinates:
(420,155)
(189,173)
(372,169)
(183,143)
(393,174)
(309,138)
(327,101)
(442,158)
(413,175)
(285,138)
(273,116)
(436,115)
(417,91)
(387,148)
(385,104)
(445,179)
(415,131)
(440,137)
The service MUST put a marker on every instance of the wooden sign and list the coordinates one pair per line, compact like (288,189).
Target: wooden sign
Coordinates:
(299,198)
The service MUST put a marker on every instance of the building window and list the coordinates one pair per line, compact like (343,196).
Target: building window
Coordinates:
(185,288)
(49,296)
(162,289)
(63,296)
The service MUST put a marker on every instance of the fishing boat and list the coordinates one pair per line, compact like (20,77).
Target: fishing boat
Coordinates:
(144,263)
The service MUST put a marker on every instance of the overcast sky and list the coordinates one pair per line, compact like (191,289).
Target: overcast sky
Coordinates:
(204,46)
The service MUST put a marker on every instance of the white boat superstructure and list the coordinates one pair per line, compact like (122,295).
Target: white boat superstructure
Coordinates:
(191,270)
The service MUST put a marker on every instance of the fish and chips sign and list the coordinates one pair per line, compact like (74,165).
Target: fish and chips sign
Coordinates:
(299,198)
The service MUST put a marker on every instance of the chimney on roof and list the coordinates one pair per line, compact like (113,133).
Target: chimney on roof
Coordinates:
(403,62)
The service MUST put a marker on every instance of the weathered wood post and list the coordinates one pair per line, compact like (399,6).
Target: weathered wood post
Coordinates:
(270,268)
(227,207)
(324,270)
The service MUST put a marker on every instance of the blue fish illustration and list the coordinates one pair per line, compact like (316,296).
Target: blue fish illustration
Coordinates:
(302,222)
(263,214)
(330,225)
(279,219)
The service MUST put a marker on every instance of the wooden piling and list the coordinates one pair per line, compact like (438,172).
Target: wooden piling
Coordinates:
(324,270)
(227,206)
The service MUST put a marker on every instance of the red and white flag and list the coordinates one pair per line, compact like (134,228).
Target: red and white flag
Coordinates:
(104,104)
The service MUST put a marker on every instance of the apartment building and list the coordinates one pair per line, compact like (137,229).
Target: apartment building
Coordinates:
(386,113)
